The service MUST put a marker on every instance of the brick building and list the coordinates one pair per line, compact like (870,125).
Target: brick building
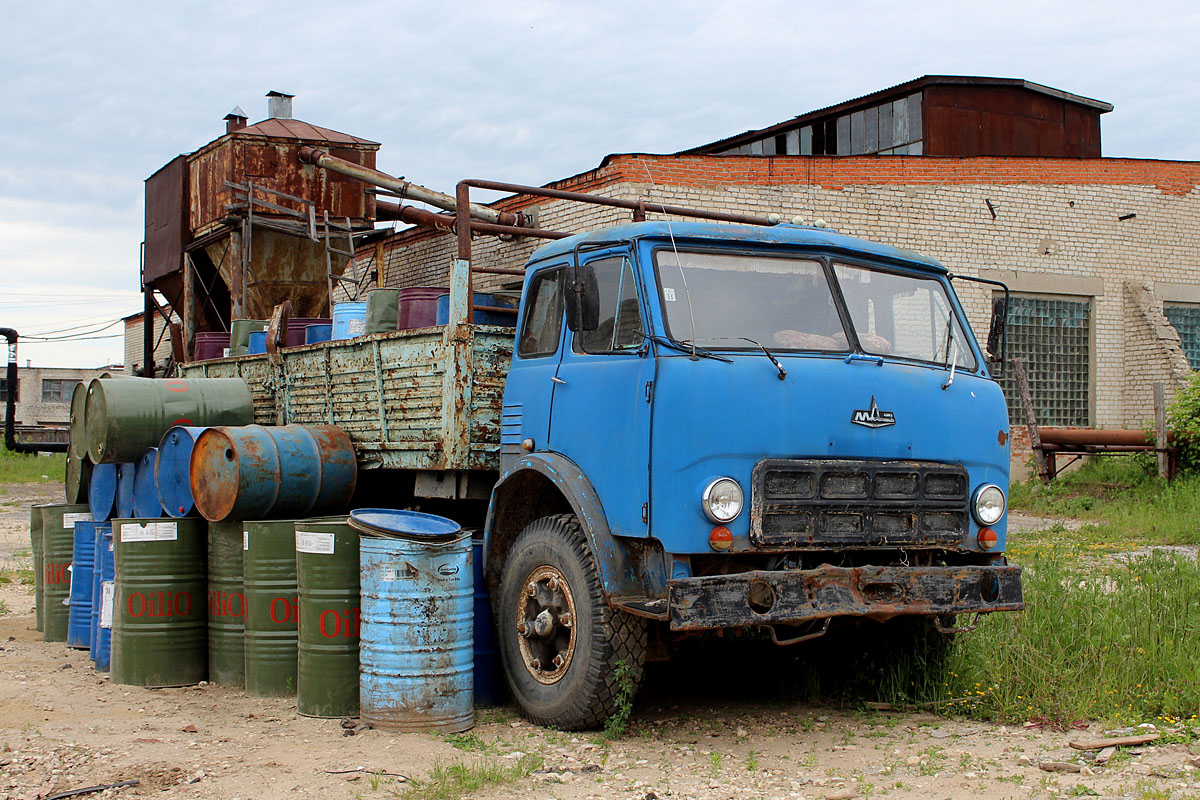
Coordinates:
(1102,255)
(43,408)
(135,337)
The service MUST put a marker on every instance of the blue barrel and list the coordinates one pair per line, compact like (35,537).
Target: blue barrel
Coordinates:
(172,471)
(97,543)
(146,504)
(79,618)
(126,473)
(102,492)
(481,317)
(318,333)
(415,644)
(258,343)
(349,320)
(489,680)
(108,575)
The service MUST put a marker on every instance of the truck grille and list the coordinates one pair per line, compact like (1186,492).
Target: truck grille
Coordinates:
(810,502)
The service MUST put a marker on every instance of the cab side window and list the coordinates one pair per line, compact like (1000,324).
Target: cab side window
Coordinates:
(543,320)
(620,328)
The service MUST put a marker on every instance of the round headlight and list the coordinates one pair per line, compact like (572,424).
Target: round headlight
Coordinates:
(722,500)
(988,505)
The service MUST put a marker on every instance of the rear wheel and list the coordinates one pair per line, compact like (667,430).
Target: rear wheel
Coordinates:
(560,643)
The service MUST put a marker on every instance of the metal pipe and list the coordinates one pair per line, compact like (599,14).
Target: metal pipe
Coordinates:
(407,189)
(10,409)
(1090,436)
(386,212)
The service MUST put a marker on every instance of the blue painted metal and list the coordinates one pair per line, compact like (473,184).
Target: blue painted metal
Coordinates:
(349,320)
(490,689)
(398,523)
(79,617)
(104,608)
(257,344)
(102,492)
(172,470)
(318,333)
(146,504)
(481,317)
(97,557)
(126,475)
(416,635)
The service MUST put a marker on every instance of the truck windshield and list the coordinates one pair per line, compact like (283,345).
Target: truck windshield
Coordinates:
(787,304)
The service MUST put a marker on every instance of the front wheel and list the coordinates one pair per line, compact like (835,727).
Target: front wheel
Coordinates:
(560,643)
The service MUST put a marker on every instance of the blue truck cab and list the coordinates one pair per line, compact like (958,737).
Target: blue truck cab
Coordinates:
(722,426)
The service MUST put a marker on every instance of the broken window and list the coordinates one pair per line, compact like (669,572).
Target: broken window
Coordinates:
(56,391)
(1052,336)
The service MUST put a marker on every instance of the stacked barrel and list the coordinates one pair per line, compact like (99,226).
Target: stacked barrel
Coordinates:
(198,546)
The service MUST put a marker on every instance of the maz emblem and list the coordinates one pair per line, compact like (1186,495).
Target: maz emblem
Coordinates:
(873,417)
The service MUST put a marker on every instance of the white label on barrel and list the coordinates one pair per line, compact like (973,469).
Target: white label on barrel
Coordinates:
(245,540)
(69,520)
(314,542)
(149,532)
(106,604)
(224,352)
(356,327)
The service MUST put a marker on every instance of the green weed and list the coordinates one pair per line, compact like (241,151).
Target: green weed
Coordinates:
(616,725)
(460,778)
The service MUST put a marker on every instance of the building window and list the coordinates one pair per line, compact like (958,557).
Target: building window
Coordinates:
(3,390)
(1051,335)
(56,391)
(1186,320)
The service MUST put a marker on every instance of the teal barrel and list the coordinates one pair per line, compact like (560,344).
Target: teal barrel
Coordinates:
(159,635)
(124,417)
(78,431)
(327,587)
(417,612)
(288,471)
(269,581)
(78,478)
(226,605)
(58,549)
(35,548)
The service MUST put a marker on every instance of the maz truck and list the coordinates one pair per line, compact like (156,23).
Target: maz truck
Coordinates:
(696,427)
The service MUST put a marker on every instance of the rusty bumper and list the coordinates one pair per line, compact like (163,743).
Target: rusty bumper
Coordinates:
(797,596)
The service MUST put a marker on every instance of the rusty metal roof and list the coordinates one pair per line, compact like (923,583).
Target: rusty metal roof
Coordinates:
(298,129)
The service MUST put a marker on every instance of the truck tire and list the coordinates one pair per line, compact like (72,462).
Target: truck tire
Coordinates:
(560,643)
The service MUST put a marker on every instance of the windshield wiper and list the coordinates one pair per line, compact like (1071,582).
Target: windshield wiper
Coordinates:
(759,345)
(694,352)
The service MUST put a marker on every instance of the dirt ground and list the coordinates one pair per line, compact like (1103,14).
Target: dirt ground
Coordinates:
(64,727)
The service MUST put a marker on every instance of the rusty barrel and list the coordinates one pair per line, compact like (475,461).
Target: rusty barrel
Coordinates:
(417,613)
(327,587)
(78,431)
(226,605)
(83,562)
(58,549)
(159,635)
(78,478)
(269,581)
(35,548)
(124,417)
(253,472)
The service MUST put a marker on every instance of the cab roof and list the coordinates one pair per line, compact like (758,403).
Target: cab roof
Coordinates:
(785,235)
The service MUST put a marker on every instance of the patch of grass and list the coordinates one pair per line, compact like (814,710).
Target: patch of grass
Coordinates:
(23,577)
(469,741)
(31,468)
(461,778)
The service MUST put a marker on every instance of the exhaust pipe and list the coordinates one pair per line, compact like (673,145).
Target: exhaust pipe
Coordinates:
(10,410)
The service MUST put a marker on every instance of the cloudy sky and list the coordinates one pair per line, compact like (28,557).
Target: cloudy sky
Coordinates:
(96,97)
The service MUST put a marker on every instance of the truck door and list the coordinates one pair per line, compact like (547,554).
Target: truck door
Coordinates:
(600,417)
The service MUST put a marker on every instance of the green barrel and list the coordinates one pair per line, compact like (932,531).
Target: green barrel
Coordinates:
(159,635)
(269,578)
(327,581)
(78,432)
(125,417)
(226,605)
(383,308)
(35,549)
(58,550)
(239,336)
(78,478)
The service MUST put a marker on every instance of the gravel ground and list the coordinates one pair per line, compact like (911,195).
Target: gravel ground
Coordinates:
(697,733)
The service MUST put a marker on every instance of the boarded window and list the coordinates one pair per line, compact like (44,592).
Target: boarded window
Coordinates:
(1186,319)
(1051,335)
(57,391)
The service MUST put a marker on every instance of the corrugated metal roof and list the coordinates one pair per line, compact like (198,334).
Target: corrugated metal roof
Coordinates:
(298,129)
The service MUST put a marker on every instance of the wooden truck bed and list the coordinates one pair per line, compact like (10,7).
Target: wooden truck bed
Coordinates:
(422,399)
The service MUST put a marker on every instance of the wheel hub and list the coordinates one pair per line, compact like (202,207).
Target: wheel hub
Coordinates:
(546,624)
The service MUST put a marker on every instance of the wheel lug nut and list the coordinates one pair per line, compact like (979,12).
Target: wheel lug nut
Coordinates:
(536,663)
(522,627)
(531,588)
(552,584)
(558,660)
(564,619)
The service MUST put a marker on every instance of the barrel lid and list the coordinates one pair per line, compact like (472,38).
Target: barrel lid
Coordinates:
(392,523)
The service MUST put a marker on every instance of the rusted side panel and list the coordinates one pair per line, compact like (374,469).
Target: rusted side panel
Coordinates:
(490,361)
(166,220)
(799,596)
(1006,121)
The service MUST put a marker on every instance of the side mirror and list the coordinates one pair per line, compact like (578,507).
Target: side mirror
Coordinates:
(997,334)
(582,299)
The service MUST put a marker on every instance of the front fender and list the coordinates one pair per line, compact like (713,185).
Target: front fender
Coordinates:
(547,483)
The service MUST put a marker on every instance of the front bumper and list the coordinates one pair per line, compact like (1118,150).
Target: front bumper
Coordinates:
(794,597)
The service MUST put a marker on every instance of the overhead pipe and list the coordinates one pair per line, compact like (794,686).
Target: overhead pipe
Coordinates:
(406,189)
(394,212)
(10,411)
